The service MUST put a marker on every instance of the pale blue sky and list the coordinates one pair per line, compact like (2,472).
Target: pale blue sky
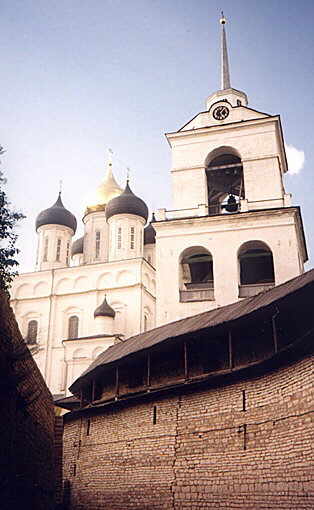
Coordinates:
(81,76)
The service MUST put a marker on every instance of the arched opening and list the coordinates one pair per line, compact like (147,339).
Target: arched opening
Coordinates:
(73,324)
(225,184)
(256,268)
(32,331)
(145,322)
(196,275)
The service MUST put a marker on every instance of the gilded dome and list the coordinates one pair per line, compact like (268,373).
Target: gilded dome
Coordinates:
(108,189)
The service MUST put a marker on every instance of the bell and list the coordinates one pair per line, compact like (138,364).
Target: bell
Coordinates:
(231,205)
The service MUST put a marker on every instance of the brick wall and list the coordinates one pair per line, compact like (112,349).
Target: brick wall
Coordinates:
(246,445)
(26,424)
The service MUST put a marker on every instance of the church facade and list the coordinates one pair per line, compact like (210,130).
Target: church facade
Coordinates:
(232,233)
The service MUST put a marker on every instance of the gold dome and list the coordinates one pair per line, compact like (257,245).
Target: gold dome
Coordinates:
(107,190)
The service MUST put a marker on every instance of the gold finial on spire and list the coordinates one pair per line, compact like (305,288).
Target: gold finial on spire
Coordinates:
(128,171)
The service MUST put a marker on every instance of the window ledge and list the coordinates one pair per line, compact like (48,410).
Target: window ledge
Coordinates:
(254,288)
(187,296)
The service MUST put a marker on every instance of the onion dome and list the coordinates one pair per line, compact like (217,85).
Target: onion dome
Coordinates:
(104,310)
(78,246)
(150,233)
(108,189)
(127,203)
(57,214)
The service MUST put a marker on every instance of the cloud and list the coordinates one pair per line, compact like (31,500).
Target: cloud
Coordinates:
(295,159)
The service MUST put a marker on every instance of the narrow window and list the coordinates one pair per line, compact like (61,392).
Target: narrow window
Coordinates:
(37,254)
(119,238)
(45,257)
(145,322)
(97,250)
(68,252)
(88,427)
(32,329)
(154,415)
(132,238)
(243,400)
(58,250)
(73,327)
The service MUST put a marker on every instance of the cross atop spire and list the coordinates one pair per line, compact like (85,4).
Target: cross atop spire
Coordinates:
(109,152)
(225,73)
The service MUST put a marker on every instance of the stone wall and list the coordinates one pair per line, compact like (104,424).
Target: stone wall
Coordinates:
(27,424)
(246,445)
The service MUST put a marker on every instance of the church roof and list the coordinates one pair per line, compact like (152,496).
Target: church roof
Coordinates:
(104,310)
(106,191)
(127,203)
(150,234)
(225,315)
(57,214)
(78,246)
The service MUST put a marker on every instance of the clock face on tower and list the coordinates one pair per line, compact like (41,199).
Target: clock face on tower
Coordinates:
(220,113)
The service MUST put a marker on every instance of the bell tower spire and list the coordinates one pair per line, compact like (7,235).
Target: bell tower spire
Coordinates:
(226,92)
(225,73)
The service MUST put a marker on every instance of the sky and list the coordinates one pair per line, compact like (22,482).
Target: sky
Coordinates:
(80,76)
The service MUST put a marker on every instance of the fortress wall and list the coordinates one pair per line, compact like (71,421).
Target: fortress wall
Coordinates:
(247,445)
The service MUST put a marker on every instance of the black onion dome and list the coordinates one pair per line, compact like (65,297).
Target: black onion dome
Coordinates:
(127,203)
(149,234)
(78,246)
(57,214)
(104,310)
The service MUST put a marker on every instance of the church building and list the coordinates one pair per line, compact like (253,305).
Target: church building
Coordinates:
(232,233)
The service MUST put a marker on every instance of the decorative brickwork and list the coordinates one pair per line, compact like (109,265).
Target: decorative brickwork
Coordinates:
(246,445)
(26,424)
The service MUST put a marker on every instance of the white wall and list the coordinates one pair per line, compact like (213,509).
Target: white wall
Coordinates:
(51,297)
(53,233)
(222,236)
(121,245)
(258,143)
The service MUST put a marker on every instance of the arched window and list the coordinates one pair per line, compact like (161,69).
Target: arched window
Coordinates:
(225,185)
(97,245)
(67,252)
(197,277)
(73,326)
(119,238)
(32,330)
(58,252)
(132,238)
(45,256)
(256,267)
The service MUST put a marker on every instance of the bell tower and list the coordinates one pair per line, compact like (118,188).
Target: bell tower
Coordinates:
(233,231)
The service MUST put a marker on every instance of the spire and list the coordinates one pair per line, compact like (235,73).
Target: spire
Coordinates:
(225,73)
(109,163)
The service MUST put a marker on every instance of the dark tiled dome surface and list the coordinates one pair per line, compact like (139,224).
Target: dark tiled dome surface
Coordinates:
(104,310)
(78,246)
(149,234)
(57,214)
(127,203)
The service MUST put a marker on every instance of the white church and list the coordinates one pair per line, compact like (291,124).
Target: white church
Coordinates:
(232,233)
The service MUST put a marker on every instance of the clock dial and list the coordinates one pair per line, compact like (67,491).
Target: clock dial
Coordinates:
(220,113)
